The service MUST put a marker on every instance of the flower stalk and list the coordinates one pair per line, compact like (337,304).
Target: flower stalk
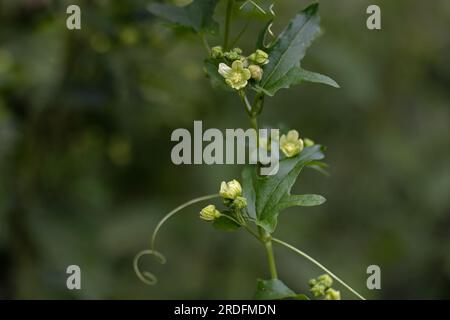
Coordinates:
(263,235)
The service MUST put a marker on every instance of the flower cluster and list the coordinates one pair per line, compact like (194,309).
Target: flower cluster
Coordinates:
(231,194)
(291,144)
(321,288)
(238,70)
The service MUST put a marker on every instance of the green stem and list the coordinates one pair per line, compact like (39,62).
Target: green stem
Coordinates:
(264,236)
(248,106)
(270,256)
(254,123)
(287,245)
(253,233)
(249,230)
(258,104)
(227,24)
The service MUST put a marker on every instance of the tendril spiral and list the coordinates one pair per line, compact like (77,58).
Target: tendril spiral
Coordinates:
(145,276)
(148,277)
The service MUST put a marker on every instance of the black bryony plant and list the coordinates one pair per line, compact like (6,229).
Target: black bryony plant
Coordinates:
(253,202)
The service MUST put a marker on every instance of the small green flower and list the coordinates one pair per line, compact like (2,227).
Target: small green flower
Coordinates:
(290,144)
(312,282)
(235,54)
(326,280)
(217,52)
(259,57)
(237,50)
(318,290)
(256,72)
(240,203)
(210,213)
(308,142)
(237,76)
(230,190)
(332,294)
(321,285)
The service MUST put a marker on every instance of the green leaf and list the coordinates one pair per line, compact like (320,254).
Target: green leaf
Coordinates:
(291,45)
(225,224)
(273,289)
(268,195)
(249,187)
(305,200)
(320,167)
(197,16)
(309,76)
(296,76)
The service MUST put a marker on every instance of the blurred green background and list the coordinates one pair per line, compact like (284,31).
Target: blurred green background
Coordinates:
(85,170)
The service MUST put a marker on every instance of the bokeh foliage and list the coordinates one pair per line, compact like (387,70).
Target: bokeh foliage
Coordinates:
(85,170)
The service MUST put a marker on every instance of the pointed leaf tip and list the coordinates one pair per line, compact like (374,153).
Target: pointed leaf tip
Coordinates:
(312,8)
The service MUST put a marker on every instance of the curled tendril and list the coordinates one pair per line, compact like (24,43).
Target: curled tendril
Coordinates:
(269,27)
(272,12)
(148,277)
(173,212)
(254,4)
(145,276)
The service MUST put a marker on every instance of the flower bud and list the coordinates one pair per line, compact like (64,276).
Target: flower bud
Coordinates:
(230,190)
(256,72)
(240,203)
(209,213)
(332,294)
(326,280)
(217,52)
(318,290)
(259,57)
(234,54)
(237,50)
(290,144)
(320,285)
(312,282)
(308,142)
